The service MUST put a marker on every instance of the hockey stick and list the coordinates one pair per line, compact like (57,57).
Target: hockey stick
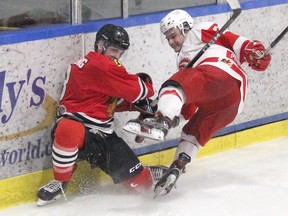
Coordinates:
(235,6)
(275,42)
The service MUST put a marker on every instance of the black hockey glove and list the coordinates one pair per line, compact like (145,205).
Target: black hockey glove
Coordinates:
(146,111)
(145,77)
(145,108)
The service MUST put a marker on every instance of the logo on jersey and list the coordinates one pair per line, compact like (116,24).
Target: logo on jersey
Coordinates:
(133,185)
(133,169)
(117,62)
(112,104)
(226,61)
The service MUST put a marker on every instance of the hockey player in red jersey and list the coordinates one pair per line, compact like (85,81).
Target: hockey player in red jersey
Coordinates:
(95,87)
(209,95)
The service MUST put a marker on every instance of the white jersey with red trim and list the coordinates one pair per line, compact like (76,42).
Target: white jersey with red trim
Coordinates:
(226,53)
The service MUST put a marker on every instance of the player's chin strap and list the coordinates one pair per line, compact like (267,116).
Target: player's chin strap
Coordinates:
(104,47)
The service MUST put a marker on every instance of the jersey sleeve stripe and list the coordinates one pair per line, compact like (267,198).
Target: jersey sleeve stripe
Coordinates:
(237,46)
(143,91)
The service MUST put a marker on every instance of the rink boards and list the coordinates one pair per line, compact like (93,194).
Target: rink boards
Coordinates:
(23,189)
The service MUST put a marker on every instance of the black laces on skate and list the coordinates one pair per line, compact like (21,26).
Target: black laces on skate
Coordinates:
(158,171)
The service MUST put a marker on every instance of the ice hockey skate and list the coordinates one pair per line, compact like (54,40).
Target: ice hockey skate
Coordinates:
(166,183)
(157,171)
(169,179)
(51,192)
(153,128)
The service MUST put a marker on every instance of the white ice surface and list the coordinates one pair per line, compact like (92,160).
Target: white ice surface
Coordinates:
(250,181)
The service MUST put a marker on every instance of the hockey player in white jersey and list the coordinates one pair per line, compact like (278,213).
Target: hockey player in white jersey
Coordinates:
(209,95)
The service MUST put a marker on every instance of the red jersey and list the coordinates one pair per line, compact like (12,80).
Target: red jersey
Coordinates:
(93,87)
(226,53)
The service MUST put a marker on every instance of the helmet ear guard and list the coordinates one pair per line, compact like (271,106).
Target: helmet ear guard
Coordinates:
(113,35)
(176,18)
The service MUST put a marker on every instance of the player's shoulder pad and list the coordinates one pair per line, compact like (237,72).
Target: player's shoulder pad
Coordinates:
(117,61)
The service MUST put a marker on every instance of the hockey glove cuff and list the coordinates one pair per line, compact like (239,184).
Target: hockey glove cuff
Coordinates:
(145,77)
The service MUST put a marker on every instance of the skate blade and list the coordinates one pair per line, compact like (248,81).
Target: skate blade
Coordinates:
(160,193)
(150,133)
(41,202)
(166,188)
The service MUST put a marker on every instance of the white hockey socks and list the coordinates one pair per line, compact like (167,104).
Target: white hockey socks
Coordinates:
(188,147)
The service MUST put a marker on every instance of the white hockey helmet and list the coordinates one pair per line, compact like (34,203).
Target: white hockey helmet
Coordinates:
(176,18)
